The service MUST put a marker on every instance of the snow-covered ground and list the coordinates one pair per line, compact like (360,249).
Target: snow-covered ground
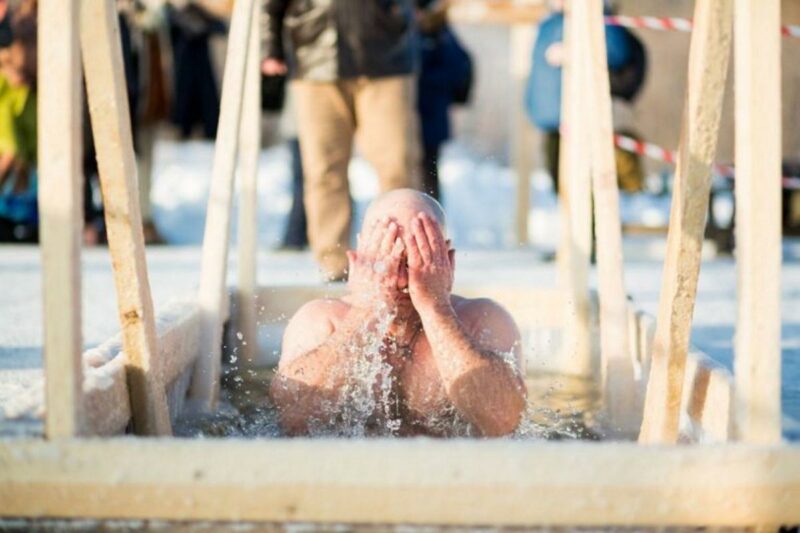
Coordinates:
(479,198)
(478,194)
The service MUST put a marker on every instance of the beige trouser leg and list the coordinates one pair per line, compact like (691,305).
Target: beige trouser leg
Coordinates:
(387,129)
(326,122)
(147,141)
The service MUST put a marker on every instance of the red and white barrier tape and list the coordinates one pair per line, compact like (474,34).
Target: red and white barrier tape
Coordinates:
(675,24)
(629,144)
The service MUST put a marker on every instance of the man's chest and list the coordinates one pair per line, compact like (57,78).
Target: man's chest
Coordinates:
(420,384)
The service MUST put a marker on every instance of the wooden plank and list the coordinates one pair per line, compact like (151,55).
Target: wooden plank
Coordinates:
(758,220)
(111,128)
(522,146)
(249,151)
(212,294)
(61,212)
(505,12)
(708,67)
(617,367)
(456,482)
(575,199)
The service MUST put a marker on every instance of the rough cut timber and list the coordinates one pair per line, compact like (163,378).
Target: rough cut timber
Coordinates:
(402,481)
(61,212)
(212,294)
(708,66)
(576,199)
(617,364)
(758,220)
(249,150)
(111,128)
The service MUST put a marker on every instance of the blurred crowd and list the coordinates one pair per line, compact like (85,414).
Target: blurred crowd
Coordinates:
(172,78)
(378,75)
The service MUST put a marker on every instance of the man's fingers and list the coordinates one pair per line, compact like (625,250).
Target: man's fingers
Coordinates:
(421,239)
(414,258)
(435,238)
(372,242)
(389,238)
(397,249)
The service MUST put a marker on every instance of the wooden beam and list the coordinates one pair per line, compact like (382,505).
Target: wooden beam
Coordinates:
(575,193)
(521,40)
(758,220)
(61,212)
(249,151)
(505,12)
(404,481)
(708,68)
(111,128)
(212,294)
(617,363)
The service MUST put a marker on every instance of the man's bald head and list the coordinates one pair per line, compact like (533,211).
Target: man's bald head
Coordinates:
(404,204)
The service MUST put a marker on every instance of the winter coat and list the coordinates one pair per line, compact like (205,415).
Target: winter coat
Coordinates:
(543,93)
(328,40)
(441,71)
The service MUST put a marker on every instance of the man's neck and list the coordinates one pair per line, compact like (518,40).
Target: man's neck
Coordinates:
(405,325)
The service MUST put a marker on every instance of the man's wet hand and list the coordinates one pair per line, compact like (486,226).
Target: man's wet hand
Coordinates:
(375,264)
(430,268)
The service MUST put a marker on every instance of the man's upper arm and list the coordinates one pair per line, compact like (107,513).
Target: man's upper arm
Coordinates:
(307,329)
(492,329)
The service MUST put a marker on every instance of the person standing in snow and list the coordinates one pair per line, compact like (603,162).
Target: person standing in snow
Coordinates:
(352,66)
(445,79)
(626,64)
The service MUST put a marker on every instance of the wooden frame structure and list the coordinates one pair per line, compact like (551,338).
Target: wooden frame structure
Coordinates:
(419,481)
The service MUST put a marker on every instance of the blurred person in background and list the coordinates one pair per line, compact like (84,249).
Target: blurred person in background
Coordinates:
(18,179)
(352,66)
(445,78)
(627,65)
(192,25)
(296,235)
(142,26)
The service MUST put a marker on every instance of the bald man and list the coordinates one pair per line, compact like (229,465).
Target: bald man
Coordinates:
(435,363)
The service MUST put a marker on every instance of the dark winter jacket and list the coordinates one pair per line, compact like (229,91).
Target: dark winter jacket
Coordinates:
(327,40)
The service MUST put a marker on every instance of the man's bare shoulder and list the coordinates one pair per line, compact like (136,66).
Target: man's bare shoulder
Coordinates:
(481,310)
(321,309)
(314,322)
(489,324)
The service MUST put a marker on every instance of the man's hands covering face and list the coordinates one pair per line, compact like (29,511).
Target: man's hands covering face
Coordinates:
(375,264)
(378,264)
(430,268)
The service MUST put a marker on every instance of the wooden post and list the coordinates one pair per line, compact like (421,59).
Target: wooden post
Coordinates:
(111,128)
(575,198)
(708,68)
(212,293)
(522,38)
(617,365)
(250,148)
(61,213)
(758,220)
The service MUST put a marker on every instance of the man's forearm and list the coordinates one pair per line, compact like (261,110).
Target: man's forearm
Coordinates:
(485,388)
